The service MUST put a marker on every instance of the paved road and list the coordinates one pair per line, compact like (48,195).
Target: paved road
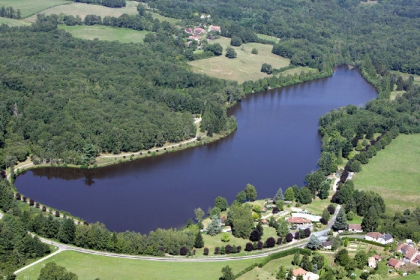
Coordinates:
(330,223)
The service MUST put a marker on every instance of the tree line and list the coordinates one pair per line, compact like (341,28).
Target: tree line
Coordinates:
(9,12)
(106,3)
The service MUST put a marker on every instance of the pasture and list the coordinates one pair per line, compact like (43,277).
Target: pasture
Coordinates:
(31,7)
(82,10)
(12,22)
(106,33)
(246,66)
(394,173)
(93,266)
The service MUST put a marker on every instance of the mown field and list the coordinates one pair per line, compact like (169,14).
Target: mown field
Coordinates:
(245,66)
(30,7)
(12,22)
(106,33)
(394,173)
(92,266)
(82,10)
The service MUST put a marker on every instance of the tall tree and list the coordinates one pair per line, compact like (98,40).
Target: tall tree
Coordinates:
(227,273)
(289,195)
(370,220)
(221,203)
(340,221)
(199,242)
(251,192)
(314,243)
(52,271)
(279,195)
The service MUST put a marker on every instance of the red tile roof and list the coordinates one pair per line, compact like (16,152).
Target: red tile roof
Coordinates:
(299,271)
(410,252)
(374,235)
(394,263)
(355,227)
(378,258)
(298,220)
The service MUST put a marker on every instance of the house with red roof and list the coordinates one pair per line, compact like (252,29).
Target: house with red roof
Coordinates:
(305,274)
(394,263)
(373,236)
(215,28)
(355,228)
(298,221)
(199,31)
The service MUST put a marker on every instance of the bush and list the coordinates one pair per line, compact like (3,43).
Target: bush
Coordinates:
(31,202)
(260,245)
(44,209)
(297,235)
(331,209)
(216,250)
(275,210)
(57,213)
(183,251)
(289,237)
(255,235)
(279,240)
(206,252)
(254,51)
(270,242)
(249,247)
(17,196)
(307,232)
(228,249)
(238,249)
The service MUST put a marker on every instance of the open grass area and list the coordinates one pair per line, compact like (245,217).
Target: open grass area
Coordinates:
(394,173)
(406,75)
(163,18)
(107,33)
(12,22)
(91,267)
(245,66)
(31,7)
(396,93)
(270,270)
(82,10)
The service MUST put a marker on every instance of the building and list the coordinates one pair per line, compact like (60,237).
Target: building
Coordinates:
(355,228)
(373,236)
(215,28)
(372,262)
(305,274)
(327,245)
(394,263)
(299,221)
(385,238)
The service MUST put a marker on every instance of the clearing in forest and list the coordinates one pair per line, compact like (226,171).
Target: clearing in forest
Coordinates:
(394,173)
(106,33)
(31,7)
(246,66)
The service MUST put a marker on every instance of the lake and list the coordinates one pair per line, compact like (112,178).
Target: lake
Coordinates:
(276,144)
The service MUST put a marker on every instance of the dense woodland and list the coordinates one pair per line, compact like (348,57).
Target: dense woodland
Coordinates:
(61,97)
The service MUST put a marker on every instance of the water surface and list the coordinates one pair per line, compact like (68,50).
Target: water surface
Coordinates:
(276,144)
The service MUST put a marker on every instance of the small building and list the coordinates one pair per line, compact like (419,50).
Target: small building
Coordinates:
(373,236)
(188,30)
(355,228)
(416,260)
(264,221)
(327,245)
(377,258)
(195,37)
(394,263)
(299,271)
(215,28)
(199,31)
(386,238)
(227,229)
(372,262)
(410,254)
(299,221)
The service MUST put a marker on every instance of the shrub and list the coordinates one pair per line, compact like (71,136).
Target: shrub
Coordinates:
(255,235)
(249,247)
(206,252)
(31,202)
(57,213)
(228,249)
(238,249)
(254,51)
(279,240)
(44,209)
(260,245)
(270,242)
(17,196)
(216,250)
(331,209)
(275,210)
(289,237)
(307,232)
(24,199)
(183,251)
(37,205)
(297,235)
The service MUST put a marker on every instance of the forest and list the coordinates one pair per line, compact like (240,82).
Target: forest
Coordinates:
(61,96)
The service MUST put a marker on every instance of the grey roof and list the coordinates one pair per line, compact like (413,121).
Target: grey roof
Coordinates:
(387,237)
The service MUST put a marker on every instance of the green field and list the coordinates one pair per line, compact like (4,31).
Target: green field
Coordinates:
(82,10)
(107,33)
(30,7)
(270,270)
(163,18)
(394,173)
(12,22)
(92,266)
(245,66)
(406,75)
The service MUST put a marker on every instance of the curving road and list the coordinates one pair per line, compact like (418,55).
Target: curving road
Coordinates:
(294,244)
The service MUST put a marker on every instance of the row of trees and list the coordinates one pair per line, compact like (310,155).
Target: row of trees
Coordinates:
(9,12)
(106,3)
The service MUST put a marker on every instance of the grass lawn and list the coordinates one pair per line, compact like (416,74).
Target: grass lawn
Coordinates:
(107,33)
(406,75)
(30,7)
(245,66)
(396,93)
(394,173)
(270,270)
(82,10)
(12,22)
(297,70)
(91,267)
(163,18)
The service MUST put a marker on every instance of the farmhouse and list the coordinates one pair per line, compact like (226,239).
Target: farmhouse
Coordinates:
(379,237)
(355,228)
(373,236)
(215,28)
(199,31)
(372,262)
(305,274)
(327,245)
(394,263)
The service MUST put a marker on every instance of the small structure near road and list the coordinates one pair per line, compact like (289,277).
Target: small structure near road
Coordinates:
(355,228)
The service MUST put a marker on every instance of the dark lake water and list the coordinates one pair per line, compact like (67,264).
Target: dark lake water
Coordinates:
(276,144)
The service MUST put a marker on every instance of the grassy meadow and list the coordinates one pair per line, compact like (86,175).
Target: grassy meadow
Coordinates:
(12,22)
(92,266)
(107,33)
(245,66)
(82,10)
(394,173)
(31,7)
(270,38)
